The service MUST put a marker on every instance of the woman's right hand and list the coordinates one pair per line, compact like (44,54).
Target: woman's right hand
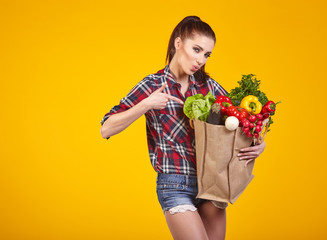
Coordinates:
(158,99)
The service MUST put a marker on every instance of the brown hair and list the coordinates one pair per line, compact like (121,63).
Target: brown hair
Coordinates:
(186,29)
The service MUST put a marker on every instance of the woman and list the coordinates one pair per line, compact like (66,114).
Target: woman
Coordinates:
(160,97)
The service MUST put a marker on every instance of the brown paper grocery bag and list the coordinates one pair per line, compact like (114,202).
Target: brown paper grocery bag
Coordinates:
(221,175)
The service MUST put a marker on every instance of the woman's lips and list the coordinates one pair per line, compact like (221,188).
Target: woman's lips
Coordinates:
(195,68)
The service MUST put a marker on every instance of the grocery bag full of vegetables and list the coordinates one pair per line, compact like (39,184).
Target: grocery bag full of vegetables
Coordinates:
(223,125)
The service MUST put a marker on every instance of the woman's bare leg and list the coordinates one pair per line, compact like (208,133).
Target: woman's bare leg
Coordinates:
(186,226)
(214,220)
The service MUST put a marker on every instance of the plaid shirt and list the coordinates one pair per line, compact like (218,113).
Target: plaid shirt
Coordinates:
(170,138)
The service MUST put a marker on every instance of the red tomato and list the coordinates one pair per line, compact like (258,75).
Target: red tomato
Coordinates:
(237,112)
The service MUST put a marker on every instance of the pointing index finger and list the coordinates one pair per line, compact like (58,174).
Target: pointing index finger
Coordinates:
(174,99)
(161,88)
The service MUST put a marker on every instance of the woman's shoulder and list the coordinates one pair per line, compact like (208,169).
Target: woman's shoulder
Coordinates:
(156,76)
(150,81)
(212,83)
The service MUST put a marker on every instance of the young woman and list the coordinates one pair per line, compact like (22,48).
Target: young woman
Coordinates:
(171,143)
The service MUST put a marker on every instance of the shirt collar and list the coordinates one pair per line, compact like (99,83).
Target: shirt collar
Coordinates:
(171,81)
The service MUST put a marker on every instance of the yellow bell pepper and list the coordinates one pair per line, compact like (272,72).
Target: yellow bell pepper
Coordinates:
(251,104)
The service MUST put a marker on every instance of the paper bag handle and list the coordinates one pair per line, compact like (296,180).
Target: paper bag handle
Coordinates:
(191,123)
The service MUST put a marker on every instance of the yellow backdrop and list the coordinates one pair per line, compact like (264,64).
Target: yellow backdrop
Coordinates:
(64,64)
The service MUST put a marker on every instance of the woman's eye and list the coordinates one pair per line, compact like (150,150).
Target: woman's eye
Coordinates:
(196,49)
(207,55)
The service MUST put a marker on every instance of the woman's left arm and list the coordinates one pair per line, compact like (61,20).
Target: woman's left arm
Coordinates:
(251,153)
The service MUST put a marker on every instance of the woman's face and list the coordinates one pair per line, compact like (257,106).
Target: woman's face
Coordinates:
(192,54)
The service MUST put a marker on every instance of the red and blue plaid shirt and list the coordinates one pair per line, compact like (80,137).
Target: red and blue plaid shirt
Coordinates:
(170,138)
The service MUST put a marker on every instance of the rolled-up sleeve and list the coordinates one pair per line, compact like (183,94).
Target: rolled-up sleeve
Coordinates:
(141,91)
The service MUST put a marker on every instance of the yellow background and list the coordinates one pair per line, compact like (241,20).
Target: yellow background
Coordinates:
(64,64)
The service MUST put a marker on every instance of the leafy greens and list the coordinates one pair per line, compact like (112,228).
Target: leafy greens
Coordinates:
(198,106)
(249,85)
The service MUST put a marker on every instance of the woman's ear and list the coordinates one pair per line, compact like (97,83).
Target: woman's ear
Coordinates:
(178,42)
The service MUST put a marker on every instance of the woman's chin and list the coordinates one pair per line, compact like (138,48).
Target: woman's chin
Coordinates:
(191,72)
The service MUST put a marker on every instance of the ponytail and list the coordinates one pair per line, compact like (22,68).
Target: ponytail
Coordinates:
(186,29)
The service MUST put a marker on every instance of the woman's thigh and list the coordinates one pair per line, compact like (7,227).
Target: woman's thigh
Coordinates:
(186,225)
(214,220)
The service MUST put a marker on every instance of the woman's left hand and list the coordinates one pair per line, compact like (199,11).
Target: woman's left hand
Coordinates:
(251,153)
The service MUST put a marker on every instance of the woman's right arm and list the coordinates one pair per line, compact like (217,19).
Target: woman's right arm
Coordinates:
(119,121)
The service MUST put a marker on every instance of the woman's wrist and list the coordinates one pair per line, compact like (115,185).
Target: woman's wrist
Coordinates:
(145,104)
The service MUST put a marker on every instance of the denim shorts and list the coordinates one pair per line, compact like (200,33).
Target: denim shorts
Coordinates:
(177,193)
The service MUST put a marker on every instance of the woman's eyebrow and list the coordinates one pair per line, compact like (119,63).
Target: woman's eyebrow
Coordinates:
(200,47)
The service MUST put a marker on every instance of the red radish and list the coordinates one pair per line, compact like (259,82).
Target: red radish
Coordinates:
(256,135)
(265,116)
(259,123)
(241,122)
(257,129)
(252,118)
(246,129)
(259,116)
(249,134)
(251,125)
(245,122)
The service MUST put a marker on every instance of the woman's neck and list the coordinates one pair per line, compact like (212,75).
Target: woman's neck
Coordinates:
(179,75)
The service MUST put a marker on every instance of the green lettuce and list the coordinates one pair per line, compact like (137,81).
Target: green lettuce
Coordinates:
(198,106)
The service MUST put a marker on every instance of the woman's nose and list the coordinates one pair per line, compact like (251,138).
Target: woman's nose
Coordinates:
(200,60)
